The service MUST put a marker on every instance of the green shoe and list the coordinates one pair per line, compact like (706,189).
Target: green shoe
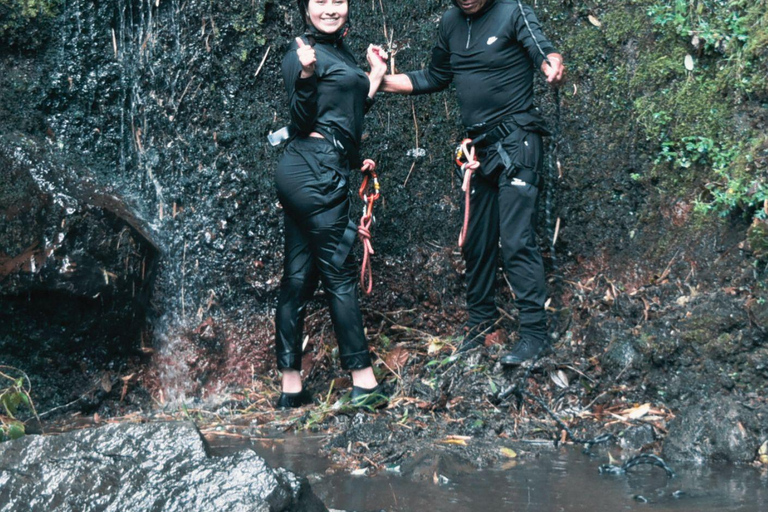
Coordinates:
(373,398)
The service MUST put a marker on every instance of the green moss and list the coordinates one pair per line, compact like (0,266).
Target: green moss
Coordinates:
(25,23)
(696,337)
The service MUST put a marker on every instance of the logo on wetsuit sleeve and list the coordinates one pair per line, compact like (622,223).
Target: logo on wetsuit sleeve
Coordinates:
(491,40)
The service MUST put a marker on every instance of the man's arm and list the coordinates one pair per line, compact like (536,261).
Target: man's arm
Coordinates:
(542,52)
(399,84)
(435,77)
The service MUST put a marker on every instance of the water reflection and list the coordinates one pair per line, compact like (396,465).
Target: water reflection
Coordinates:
(563,480)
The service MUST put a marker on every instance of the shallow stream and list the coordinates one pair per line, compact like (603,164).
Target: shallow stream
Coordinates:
(558,480)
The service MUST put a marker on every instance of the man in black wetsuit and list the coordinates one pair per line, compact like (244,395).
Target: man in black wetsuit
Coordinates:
(490,50)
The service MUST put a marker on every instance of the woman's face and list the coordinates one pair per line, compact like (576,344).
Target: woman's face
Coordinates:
(328,16)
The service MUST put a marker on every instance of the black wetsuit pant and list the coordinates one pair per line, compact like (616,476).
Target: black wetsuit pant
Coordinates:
(312,186)
(503,207)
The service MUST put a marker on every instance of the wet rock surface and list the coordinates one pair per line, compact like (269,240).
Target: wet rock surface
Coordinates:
(160,466)
(718,430)
(76,272)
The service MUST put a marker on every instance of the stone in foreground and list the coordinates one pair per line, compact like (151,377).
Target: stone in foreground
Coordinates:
(142,467)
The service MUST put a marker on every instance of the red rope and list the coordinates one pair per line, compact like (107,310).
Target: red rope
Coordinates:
(366,221)
(469,168)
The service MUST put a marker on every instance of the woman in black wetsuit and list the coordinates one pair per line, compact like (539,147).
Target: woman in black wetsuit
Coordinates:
(328,95)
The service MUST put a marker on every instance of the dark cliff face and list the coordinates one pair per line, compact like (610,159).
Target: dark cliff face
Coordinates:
(167,106)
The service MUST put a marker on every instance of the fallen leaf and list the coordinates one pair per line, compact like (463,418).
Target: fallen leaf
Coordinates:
(397,357)
(435,345)
(106,382)
(457,440)
(509,465)
(689,62)
(508,452)
(636,412)
(560,379)
(593,20)
(695,41)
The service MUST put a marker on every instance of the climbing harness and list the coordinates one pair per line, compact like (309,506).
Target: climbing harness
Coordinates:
(465,158)
(366,221)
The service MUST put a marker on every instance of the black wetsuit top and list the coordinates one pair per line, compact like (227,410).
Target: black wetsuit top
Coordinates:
(490,56)
(331,102)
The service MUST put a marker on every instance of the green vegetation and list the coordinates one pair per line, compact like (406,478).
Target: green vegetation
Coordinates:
(728,38)
(24,23)
(14,393)
(687,76)
(249,26)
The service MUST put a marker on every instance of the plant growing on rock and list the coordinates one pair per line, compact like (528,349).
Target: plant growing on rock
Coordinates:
(14,393)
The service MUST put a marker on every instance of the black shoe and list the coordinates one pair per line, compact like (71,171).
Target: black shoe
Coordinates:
(369,398)
(525,350)
(293,400)
(474,337)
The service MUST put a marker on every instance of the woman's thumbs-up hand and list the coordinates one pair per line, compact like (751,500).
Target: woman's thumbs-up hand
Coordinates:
(307,58)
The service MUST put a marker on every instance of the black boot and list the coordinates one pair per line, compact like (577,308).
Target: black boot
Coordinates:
(293,400)
(369,398)
(526,349)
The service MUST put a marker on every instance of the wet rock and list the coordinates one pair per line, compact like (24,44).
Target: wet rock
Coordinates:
(712,320)
(719,430)
(431,465)
(621,354)
(635,438)
(360,429)
(76,269)
(161,466)
(758,310)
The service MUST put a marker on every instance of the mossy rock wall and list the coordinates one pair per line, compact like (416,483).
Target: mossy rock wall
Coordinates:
(169,103)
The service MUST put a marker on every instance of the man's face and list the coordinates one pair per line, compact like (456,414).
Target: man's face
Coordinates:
(471,6)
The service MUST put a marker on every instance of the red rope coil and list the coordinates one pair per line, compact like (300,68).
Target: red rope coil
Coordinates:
(366,221)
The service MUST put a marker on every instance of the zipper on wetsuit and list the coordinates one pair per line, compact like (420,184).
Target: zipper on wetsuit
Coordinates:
(469,31)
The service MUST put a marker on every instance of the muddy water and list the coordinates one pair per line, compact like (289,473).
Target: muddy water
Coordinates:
(560,480)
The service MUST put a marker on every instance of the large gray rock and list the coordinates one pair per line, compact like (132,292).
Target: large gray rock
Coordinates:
(717,430)
(138,467)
